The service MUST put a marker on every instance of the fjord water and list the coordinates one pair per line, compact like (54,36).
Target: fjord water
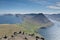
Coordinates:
(10,19)
(51,33)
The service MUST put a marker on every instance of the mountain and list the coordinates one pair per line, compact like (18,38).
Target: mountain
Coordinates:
(39,18)
(54,16)
(32,22)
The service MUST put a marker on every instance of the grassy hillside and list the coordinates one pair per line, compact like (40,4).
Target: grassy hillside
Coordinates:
(30,26)
(8,29)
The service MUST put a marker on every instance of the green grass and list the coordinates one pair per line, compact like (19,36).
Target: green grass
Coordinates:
(29,27)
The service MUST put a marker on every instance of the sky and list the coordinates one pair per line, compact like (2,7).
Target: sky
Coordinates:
(29,6)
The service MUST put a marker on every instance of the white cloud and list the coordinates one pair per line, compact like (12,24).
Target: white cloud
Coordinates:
(55,6)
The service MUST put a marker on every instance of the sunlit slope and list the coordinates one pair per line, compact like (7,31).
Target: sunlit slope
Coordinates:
(8,29)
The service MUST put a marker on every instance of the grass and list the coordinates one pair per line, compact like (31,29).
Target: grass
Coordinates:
(29,27)
(8,29)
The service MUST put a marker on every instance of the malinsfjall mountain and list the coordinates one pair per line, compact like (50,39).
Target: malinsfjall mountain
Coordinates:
(40,19)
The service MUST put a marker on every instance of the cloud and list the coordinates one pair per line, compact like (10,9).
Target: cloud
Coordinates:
(55,6)
(58,4)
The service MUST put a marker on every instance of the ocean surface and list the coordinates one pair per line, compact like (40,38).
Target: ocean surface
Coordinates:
(51,33)
(10,19)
